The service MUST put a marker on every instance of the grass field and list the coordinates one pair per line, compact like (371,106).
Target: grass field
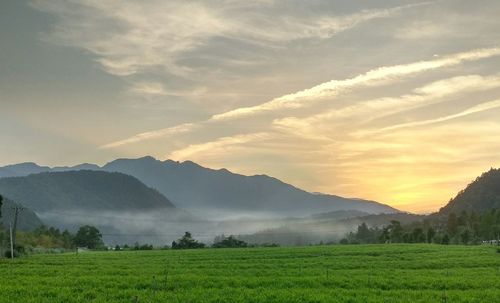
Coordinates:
(364,273)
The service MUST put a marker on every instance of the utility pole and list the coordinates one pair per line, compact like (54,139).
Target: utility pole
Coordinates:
(11,242)
(13,230)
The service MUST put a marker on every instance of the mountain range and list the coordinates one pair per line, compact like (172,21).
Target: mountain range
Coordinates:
(216,192)
(127,200)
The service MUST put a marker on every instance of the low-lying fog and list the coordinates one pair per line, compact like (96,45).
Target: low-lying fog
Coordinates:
(160,228)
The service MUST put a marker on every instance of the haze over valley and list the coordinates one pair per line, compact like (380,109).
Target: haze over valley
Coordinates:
(127,199)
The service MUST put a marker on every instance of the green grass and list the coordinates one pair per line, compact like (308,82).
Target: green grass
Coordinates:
(357,273)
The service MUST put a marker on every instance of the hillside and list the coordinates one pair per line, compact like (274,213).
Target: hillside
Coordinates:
(221,192)
(27,219)
(481,195)
(82,190)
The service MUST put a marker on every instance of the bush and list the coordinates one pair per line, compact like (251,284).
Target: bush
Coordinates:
(187,242)
(230,242)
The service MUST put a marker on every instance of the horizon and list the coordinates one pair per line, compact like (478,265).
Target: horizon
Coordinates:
(101,165)
(394,101)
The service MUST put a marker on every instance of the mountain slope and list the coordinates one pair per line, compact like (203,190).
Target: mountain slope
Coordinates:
(27,219)
(82,190)
(481,195)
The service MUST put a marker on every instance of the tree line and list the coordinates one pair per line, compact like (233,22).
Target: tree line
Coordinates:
(91,238)
(52,238)
(465,228)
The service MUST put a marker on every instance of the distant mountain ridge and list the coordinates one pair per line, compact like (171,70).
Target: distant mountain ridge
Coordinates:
(22,169)
(191,186)
(483,194)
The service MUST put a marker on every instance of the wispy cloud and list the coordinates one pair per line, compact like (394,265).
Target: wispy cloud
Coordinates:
(367,110)
(149,88)
(374,77)
(326,91)
(423,30)
(219,146)
(472,110)
(135,37)
(161,133)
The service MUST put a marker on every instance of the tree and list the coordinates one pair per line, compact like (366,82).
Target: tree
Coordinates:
(465,236)
(88,236)
(229,242)
(418,235)
(452,224)
(67,239)
(363,233)
(385,235)
(396,231)
(431,233)
(1,202)
(446,240)
(187,242)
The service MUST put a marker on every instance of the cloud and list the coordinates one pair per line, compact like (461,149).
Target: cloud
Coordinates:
(420,30)
(161,133)
(472,110)
(137,37)
(374,77)
(367,110)
(459,84)
(219,146)
(379,76)
(149,88)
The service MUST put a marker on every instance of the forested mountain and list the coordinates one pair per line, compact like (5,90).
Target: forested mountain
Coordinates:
(192,186)
(479,196)
(27,220)
(471,217)
(82,190)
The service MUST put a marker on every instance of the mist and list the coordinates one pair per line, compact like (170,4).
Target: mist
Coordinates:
(161,227)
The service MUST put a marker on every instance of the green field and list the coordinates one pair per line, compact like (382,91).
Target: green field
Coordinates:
(364,273)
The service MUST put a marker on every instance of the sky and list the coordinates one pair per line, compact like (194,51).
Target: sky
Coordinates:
(394,101)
